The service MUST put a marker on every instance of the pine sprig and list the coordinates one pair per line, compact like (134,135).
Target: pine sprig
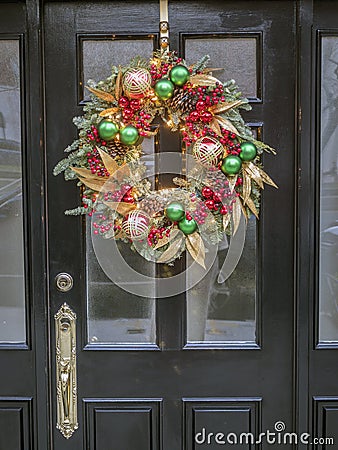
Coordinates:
(201,64)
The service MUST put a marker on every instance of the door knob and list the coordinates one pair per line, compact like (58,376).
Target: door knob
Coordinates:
(64,282)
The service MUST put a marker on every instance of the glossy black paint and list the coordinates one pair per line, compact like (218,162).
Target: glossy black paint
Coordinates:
(173,374)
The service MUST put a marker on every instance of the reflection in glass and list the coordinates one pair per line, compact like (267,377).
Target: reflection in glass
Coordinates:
(328,268)
(231,55)
(99,56)
(12,297)
(226,312)
(114,316)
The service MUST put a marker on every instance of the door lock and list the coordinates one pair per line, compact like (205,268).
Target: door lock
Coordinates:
(64,282)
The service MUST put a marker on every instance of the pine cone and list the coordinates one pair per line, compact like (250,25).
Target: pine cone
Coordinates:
(182,101)
(153,204)
(116,150)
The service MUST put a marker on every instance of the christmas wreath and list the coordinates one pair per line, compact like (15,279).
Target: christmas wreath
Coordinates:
(106,159)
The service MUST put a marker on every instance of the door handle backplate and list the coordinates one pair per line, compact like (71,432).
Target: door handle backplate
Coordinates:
(66,389)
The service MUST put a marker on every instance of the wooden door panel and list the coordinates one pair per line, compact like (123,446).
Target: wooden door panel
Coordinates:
(242,381)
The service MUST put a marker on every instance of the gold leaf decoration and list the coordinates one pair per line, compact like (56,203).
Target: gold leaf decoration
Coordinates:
(123,172)
(166,239)
(109,112)
(122,208)
(172,251)
(214,125)
(232,182)
(106,96)
(212,69)
(109,163)
(89,179)
(93,184)
(265,177)
(226,221)
(86,173)
(201,79)
(246,186)
(118,84)
(254,173)
(252,206)
(225,123)
(244,211)
(195,247)
(236,215)
(225,106)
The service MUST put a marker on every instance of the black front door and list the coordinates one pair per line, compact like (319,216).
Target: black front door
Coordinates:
(154,373)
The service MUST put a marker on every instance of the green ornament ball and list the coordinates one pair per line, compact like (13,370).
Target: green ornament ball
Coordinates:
(187,226)
(175,211)
(164,89)
(107,129)
(129,135)
(179,75)
(231,165)
(248,151)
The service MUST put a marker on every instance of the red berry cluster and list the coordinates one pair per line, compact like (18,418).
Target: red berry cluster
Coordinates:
(132,113)
(93,136)
(161,71)
(157,233)
(200,213)
(124,194)
(198,120)
(96,165)
(229,142)
(214,200)
(102,227)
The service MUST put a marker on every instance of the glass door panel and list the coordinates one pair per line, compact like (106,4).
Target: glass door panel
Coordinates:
(12,283)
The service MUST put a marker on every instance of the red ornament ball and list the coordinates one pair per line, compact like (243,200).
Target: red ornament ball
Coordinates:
(208,151)
(128,198)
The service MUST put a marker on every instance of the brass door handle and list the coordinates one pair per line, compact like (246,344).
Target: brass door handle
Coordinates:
(66,389)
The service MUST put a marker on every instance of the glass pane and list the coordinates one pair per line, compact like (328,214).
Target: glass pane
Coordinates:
(115,316)
(12,299)
(230,54)
(100,55)
(226,312)
(328,269)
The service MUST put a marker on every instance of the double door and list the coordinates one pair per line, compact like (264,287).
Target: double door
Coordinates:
(216,361)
